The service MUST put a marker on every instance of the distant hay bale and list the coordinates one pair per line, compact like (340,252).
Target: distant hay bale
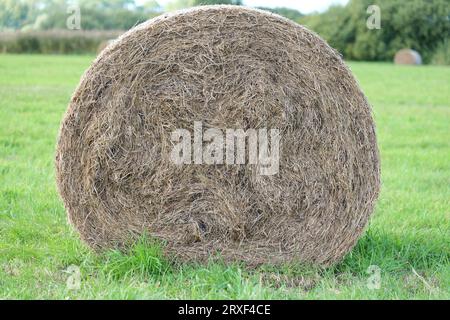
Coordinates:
(407,56)
(226,67)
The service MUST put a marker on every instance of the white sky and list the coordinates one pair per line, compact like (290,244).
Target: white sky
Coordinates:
(304,6)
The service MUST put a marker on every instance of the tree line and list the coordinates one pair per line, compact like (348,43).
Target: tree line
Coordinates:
(423,25)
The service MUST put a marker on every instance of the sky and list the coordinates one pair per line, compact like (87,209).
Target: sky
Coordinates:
(304,6)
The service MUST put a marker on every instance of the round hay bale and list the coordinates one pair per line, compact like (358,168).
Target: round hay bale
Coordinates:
(227,67)
(407,56)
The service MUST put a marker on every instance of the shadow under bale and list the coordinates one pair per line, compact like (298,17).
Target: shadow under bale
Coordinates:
(226,67)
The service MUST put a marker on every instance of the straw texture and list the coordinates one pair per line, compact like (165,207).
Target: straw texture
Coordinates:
(229,67)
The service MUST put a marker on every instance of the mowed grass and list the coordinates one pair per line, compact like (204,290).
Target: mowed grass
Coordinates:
(408,238)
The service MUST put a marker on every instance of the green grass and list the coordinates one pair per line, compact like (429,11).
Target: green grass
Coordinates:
(408,238)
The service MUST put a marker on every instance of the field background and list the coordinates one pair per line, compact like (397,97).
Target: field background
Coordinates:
(408,237)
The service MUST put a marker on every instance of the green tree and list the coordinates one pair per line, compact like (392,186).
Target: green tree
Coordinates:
(181,4)
(417,24)
(211,2)
(289,13)
(15,14)
(52,14)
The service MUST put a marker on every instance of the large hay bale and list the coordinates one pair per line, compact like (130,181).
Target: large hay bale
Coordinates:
(407,56)
(228,67)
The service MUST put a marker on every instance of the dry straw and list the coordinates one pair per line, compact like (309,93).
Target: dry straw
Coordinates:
(229,67)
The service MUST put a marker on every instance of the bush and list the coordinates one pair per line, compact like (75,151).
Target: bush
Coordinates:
(54,41)
(418,25)
(442,53)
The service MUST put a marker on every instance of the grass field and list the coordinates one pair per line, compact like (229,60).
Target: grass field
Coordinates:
(408,238)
